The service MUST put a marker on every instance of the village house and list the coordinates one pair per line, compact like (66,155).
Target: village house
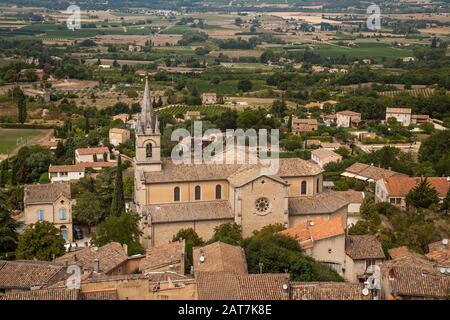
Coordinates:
(52,203)
(368,173)
(92,154)
(331,146)
(219,256)
(122,116)
(394,189)
(25,275)
(170,197)
(110,259)
(76,171)
(362,251)
(355,199)
(323,156)
(164,257)
(419,119)
(348,119)
(323,239)
(329,119)
(192,115)
(209,98)
(402,115)
(118,136)
(303,125)
(412,276)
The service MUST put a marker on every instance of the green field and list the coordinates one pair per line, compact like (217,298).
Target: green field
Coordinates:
(12,138)
(182,109)
(374,51)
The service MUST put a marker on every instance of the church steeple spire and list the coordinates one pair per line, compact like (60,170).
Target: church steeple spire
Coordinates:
(148,121)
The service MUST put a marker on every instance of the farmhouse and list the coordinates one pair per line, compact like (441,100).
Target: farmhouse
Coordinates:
(92,154)
(303,125)
(348,119)
(209,98)
(402,115)
(118,136)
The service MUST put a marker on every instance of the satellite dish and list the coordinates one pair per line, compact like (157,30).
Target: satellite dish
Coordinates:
(365,292)
(448,270)
(442,270)
(285,286)
(202,258)
(445,242)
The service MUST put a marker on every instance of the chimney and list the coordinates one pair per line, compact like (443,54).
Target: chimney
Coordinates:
(125,248)
(96,265)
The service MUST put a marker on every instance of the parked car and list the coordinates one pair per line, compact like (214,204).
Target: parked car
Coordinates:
(77,233)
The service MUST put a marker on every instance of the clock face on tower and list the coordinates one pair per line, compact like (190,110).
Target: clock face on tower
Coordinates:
(262,206)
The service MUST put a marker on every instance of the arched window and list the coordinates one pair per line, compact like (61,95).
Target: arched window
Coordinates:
(303,187)
(62,214)
(198,192)
(176,194)
(318,185)
(149,150)
(218,192)
(64,232)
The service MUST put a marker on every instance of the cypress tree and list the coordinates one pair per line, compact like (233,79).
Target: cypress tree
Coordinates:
(22,108)
(118,200)
(3,174)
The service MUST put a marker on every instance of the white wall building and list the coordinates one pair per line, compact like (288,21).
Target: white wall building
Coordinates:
(402,115)
(91,154)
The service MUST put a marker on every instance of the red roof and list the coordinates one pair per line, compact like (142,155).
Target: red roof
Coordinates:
(80,167)
(400,186)
(89,151)
(348,113)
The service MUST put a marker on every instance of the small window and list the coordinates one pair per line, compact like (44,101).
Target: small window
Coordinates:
(40,215)
(318,185)
(303,187)
(218,192)
(149,150)
(198,192)
(176,194)
(62,214)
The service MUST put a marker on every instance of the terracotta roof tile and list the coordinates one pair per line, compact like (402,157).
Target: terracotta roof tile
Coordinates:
(109,294)
(307,232)
(109,256)
(325,153)
(25,274)
(364,247)
(349,113)
(220,256)
(80,167)
(328,291)
(45,193)
(322,203)
(92,151)
(400,186)
(370,172)
(44,294)
(398,110)
(162,256)
(231,286)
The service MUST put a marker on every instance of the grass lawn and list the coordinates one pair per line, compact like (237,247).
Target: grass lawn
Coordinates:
(10,137)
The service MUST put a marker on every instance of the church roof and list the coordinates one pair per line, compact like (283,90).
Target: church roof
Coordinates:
(289,167)
(147,120)
(322,203)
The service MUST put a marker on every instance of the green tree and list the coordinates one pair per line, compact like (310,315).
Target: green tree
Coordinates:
(270,252)
(3,173)
(192,240)
(446,202)
(8,229)
(22,109)
(422,196)
(123,229)
(436,150)
(118,200)
(279,108)
(41,241)
(228,232)
(88,210)
(245,85)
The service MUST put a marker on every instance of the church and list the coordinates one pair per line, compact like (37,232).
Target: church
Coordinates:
(170,197)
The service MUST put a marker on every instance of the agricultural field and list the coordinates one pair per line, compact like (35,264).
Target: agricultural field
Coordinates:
(14,138)
(182,109)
